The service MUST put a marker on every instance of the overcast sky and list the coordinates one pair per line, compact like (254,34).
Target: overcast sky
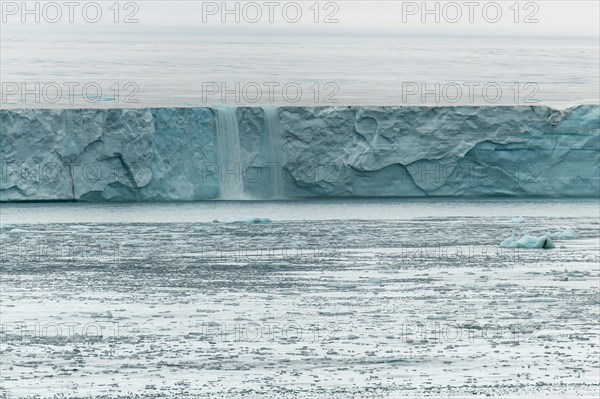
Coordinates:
(550,18)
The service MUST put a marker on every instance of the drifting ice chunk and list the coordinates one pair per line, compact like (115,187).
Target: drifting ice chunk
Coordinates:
(527,242)
(519,219)
(248,220)
(568,233)
(108,314)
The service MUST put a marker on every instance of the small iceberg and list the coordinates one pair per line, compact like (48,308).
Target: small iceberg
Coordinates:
(108,314)
(519,219)
(527,242)
(565,234)
(246,220)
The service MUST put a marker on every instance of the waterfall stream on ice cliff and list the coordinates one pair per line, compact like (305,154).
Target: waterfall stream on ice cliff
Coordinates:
(273,153)
(231,184)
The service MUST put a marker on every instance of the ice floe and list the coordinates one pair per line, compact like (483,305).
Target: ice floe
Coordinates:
(247,220)
(565,234)
(519,219)
(527,241)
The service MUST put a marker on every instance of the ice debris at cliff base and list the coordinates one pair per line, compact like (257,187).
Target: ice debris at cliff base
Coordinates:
(527,241)
(247,220)
(519,219)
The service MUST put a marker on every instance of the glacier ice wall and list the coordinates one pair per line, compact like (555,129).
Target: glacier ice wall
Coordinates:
(186,154)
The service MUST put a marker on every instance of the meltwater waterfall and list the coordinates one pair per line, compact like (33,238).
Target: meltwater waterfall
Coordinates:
(273,154)
(231,183)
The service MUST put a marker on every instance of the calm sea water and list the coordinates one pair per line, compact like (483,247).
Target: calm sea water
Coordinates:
(196,70)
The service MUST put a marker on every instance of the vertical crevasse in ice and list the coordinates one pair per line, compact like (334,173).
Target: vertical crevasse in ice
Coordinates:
(273,154)
(231,183)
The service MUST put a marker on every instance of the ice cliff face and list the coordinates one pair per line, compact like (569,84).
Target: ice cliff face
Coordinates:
(190,154)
